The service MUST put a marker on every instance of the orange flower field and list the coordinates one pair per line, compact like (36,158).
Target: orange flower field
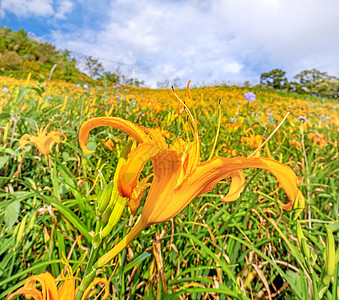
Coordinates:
(139,193)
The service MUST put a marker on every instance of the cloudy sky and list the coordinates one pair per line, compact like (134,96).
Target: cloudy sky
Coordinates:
(207,41)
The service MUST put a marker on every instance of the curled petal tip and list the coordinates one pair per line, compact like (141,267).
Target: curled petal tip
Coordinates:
(86,151)
(287,206)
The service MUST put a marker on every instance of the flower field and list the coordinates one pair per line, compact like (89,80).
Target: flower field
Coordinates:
(122,192)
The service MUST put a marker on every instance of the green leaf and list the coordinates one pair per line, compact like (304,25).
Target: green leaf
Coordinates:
(12,213)
(137,260)
(22,92)
(3,160)
(4,116)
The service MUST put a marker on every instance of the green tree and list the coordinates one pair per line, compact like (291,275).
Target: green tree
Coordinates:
(93,66)
(164,84)
(316,83)
(309,76)
(275,78)
(137,82)
(113,77)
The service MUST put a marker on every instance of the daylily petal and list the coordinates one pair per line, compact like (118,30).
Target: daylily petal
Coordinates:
(43,143)
(130,171)
(56,136)
(28,292)
(157,138)
(130,128)
(67,289)
(193,151)
(167,167)
(208,174)
(95,282)
(48,287)
(24,140)
(189,156)
(236,187)
(134,201)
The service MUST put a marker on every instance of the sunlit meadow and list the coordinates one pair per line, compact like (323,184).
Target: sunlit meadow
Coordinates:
(63,210)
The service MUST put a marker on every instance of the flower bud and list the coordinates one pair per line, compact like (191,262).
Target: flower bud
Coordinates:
(330,253)
(21,230)
(105,198)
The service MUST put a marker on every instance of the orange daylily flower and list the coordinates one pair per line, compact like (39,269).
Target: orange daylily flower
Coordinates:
(44,142)
(178,174)
(254,141)
(49,289)
(318,138)
(108,144)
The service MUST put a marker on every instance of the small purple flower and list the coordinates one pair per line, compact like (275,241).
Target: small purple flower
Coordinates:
(78,85)
(5,89)
(249,96)
(85,86)
(302,119)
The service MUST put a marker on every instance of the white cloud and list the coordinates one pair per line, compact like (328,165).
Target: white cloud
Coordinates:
(64,7)
(25,8)
(37,8)
(212,40)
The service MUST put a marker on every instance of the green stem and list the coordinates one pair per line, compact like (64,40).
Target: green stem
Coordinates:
(89,272)
(138,227)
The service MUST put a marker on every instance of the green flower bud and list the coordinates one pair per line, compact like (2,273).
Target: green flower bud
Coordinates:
(115,216)
(313,257)
(326,279)
(105,198)
(304,248)
(300,234)
(21,230)
(31,222)
(96,240)
(330,253)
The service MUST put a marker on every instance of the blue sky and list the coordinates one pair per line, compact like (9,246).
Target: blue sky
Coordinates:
(206,41)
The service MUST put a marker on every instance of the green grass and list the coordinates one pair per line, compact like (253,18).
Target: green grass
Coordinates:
(209,250)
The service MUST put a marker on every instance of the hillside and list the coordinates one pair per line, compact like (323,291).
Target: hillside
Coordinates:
(21,55)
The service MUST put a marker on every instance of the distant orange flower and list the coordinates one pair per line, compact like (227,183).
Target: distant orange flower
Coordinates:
(233,126)
(254,141)
(108,144)
(294,143)
(49,289)
(319,139)
(42,141)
